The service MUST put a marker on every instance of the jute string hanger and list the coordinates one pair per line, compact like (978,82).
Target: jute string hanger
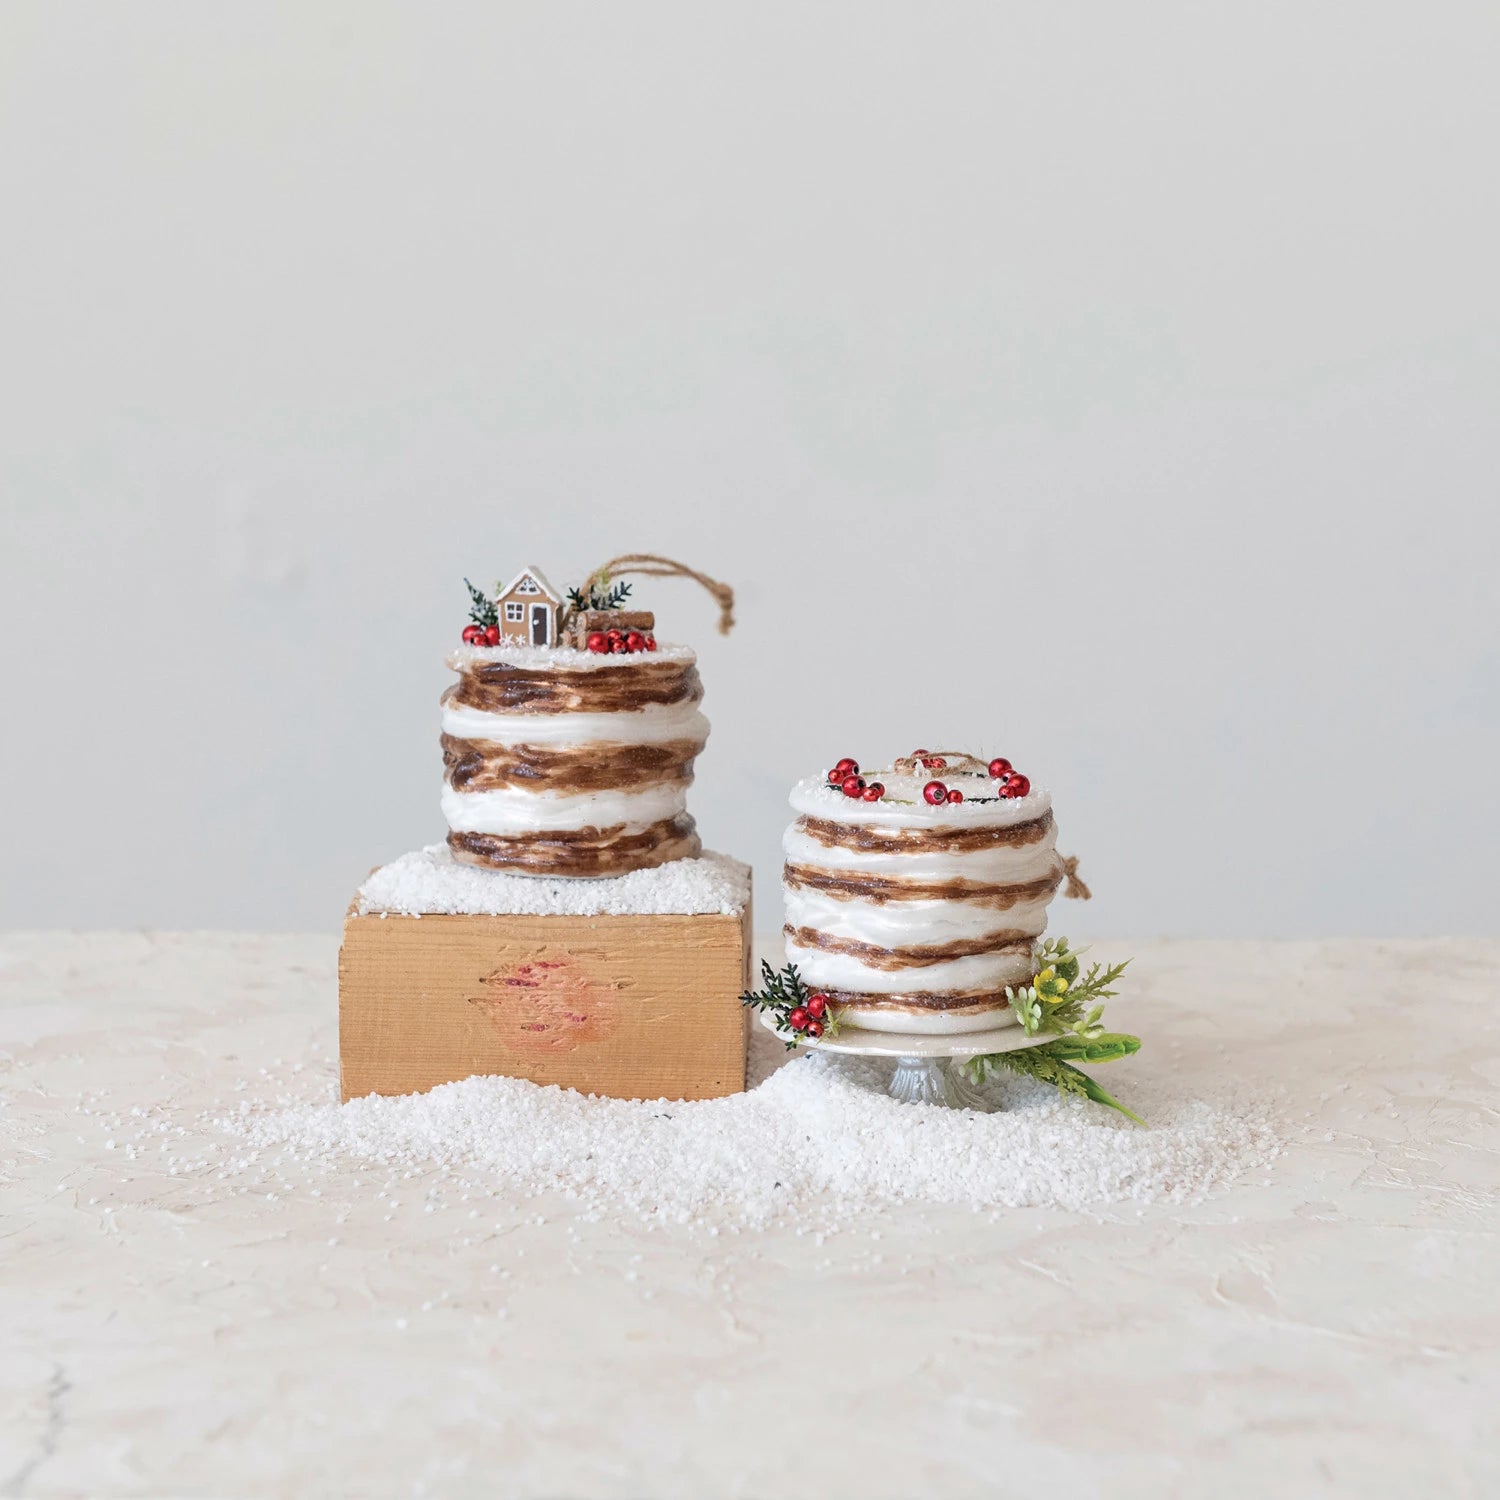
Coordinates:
(649,565)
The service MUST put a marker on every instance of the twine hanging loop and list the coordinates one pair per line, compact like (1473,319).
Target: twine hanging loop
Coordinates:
(953,760)
(1075,889)
(649,565)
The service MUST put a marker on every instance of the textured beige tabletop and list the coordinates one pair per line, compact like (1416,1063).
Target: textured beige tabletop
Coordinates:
(1325,1326)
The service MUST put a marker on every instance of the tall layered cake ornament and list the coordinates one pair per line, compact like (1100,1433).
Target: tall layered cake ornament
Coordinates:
(915,896)
(570,736)
(568,743)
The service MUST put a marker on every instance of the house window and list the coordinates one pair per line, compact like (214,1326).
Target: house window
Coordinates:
(514,611)
(528,586)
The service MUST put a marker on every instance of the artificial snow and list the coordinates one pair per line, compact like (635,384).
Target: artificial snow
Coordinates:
(431,882)
(818,1134)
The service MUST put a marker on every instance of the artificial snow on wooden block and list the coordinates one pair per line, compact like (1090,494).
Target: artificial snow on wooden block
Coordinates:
(627,986)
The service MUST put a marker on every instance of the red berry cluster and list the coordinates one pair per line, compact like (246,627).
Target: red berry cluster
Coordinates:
(845,776)
(1012,782)
(481,635)
(936,792)
(797,1015)
(807,1020)
(620,642)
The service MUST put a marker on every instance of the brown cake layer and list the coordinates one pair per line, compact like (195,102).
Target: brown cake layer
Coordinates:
(949,840)
(583,851)
(484,766)
(850,885)
(948,1002)
(916,956)
(500,687)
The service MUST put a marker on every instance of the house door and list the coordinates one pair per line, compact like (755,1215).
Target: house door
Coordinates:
(539,623)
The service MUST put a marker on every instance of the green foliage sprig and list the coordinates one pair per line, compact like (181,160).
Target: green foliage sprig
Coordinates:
(1063,1002)
(483,610)
(1050,1063)
(1057,1001)
(785,992)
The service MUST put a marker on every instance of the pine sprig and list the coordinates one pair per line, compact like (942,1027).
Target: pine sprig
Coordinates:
(784,993)
(483,611)
(781,988)
(598,596)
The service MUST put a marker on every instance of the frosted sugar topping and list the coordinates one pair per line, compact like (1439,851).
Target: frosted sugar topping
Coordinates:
(429,882)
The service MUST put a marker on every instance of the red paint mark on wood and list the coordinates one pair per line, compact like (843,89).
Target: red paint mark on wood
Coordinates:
(549,1005)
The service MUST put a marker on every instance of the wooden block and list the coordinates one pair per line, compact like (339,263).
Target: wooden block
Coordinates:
(637,1007)
(588,620)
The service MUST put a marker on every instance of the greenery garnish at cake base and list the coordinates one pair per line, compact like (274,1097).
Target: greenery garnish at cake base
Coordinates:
(1063,1002)
(799,1014)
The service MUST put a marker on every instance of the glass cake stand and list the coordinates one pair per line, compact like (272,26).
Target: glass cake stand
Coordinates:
(928,1069)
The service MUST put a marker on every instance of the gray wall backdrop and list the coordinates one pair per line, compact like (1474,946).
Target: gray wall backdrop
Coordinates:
(1117,387)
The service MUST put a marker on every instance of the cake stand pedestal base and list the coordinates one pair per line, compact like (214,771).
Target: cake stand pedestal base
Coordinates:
(935,1080)
(928,1069)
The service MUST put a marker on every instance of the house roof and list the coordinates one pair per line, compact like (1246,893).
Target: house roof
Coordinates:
(538,577)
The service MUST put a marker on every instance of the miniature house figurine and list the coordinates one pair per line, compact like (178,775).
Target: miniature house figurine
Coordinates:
(528,610)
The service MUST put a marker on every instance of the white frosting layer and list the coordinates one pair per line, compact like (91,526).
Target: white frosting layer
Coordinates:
(654,725)
(983,971)
(819,800)
(902,924)
(1003,866)
(511,811)
(928,1023)
(908,924)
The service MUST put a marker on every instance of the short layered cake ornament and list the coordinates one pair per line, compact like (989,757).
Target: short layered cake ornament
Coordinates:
(914,896)
(571,930)
(916,899)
